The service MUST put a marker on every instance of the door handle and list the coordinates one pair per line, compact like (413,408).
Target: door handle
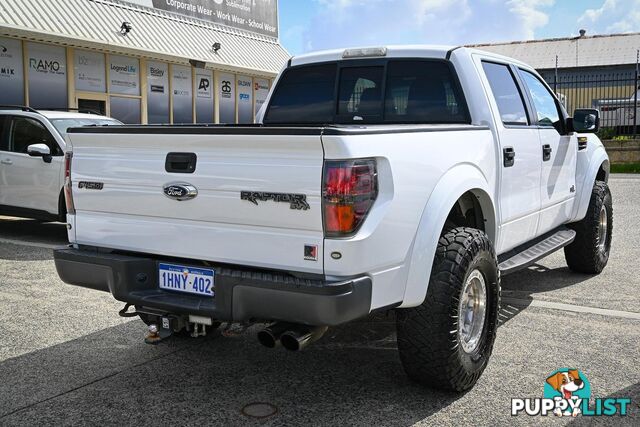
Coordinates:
(509,156)
(6,161)
(546,152)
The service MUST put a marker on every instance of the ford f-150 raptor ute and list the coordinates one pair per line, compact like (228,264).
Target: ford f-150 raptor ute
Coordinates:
(405,178)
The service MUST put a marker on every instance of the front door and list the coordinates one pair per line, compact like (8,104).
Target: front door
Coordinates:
(29,182)
(519,192)
(558,153)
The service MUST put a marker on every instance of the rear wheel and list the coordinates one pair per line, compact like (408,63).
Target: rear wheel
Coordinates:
(446,342)
(589,252)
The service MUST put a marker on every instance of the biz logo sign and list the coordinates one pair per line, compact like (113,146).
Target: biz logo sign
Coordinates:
(567,392)
(225,89)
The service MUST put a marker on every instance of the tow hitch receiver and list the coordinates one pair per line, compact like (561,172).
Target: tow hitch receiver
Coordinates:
(155,335)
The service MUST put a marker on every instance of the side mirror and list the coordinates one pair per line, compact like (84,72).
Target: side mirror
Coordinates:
(40,150)
(586,120)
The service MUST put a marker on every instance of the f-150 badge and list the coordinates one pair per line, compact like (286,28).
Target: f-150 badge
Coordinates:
(296,201)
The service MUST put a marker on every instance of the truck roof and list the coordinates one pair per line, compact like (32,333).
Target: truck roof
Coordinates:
(399,51)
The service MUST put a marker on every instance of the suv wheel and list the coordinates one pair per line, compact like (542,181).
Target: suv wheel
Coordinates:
(446,342)
(589,252)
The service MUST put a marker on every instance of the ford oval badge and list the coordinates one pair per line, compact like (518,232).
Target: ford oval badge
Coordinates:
(180,191)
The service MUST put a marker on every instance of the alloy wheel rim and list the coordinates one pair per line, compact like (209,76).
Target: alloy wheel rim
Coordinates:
(603,229)
(472,311)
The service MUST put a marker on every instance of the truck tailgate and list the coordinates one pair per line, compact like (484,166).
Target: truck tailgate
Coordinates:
(131,211)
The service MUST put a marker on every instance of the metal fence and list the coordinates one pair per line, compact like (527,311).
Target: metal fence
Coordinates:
(614,95)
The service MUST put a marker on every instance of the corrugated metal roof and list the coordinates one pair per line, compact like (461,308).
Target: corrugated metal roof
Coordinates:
(155,34)
(585,51)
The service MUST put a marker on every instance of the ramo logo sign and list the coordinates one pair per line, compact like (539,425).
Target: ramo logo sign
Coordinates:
(44,65)
(567,392)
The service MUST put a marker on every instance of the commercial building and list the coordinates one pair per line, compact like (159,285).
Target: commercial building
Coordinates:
(141,61)
(587,71)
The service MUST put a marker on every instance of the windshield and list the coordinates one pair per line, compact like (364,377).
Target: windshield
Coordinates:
(62,125)
(360,92)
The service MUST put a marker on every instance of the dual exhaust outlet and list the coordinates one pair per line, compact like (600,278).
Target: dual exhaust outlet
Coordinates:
(291,336)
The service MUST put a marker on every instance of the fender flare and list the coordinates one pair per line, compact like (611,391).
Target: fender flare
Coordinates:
(454,183)
(598,158)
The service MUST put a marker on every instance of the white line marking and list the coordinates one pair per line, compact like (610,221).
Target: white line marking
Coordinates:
(572,308)
(31,244)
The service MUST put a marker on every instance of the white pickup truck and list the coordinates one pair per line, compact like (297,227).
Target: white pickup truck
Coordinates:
(404,178)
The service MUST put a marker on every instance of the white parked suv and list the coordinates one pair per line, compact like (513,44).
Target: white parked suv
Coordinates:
(31,159)
(401,178)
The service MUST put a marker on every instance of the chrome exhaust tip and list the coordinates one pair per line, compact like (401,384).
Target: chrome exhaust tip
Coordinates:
(301,336)
(270,336)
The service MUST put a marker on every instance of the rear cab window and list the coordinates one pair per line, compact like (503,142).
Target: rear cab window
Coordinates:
(423,91)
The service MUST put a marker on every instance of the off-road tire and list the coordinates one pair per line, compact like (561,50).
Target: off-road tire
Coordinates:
(428,341)
(584,254)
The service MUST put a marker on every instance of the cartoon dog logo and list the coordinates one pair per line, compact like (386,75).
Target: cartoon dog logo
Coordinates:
(567,384)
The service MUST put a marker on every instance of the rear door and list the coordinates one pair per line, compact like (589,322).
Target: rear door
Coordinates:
(558,152)
(519,196)
(257,199)
(29,182)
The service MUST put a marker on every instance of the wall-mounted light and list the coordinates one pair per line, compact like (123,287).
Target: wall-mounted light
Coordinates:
(197,64)
(125,28)
(216,47)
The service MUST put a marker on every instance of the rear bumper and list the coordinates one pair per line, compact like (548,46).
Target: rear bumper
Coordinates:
(240,295)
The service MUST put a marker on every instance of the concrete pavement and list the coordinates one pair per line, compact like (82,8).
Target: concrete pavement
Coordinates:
(67,358)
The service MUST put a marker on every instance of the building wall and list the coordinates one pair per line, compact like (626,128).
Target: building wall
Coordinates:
(131,89)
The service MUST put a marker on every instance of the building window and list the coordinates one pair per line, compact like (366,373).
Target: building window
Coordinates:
(47,76)
(181,87)
(125,109)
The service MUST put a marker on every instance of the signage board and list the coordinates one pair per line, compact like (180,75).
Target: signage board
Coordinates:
(204,96)
(181,86)
(124,75)
(245,99)
(157,92)
(47,75)
(258,16)
(11,71)
(227,97)
(261,90)
(89,71)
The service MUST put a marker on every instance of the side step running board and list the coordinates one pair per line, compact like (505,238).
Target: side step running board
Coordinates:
(525,255)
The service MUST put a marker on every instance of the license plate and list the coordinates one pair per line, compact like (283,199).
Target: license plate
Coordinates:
(199,281)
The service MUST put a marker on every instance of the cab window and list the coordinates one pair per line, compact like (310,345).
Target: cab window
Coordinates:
(25,131)
(506,93)
(547,113)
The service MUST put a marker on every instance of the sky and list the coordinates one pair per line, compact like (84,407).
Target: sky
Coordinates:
(308,25)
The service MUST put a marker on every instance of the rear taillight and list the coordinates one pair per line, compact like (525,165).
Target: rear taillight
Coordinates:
(68,193)
(349,190)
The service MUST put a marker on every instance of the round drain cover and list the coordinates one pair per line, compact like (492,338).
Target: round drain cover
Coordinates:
(259,410)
